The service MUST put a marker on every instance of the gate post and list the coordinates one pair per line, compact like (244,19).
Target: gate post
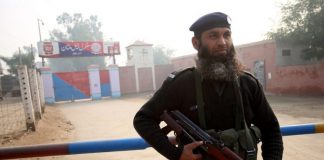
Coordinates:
(47,79)
(94,80)
(34,93)
(41,90)
(114,81)
(26,97)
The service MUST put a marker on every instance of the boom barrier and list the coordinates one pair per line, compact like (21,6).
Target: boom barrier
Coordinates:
(83,147)
(299,129)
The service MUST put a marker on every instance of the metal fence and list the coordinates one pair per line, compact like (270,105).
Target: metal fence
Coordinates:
(21,100)
(12,116)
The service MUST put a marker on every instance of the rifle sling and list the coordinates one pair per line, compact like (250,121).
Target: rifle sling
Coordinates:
(240,117)
(199,98)
(239,113)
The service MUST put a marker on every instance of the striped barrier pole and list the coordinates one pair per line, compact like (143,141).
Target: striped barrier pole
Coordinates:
(83,147)
(299,129)
(80,147)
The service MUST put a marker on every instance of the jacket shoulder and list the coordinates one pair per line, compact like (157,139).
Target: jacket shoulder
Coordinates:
(179,73)
(176,81)
(248,76)
(250,81)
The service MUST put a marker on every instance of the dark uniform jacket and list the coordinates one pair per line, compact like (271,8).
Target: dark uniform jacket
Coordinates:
(178,92)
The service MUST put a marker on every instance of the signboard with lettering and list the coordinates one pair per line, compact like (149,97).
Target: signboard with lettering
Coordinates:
(74,49)
(112,48)
(68,49)
(48,49)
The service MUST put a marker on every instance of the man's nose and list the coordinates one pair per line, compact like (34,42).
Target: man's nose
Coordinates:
(221,41)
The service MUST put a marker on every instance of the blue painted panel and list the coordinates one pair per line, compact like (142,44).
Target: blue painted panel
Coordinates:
(77,94)
(64,91)
(105,90)
(116,94)
(96,96)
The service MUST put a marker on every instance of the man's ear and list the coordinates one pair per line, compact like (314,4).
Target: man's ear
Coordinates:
(195,43)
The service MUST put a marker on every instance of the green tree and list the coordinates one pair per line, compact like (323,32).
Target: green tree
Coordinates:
(25,57)
(76,28)
(302,23)
(162,55)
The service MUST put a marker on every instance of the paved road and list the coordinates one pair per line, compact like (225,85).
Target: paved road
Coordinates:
(112,119)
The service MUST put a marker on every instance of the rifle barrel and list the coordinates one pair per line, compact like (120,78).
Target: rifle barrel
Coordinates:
(183,125)
(196,130)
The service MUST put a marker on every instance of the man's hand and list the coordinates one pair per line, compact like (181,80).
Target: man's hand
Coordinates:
(187,153)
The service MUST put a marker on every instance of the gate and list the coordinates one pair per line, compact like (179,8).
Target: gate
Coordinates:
(259,72)
(71,86)
(105,83)
(145,79)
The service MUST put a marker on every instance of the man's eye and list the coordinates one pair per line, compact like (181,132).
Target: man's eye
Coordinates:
(212,35)
(227,35)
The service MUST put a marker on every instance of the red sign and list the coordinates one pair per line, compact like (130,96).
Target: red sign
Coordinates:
(48,48)
(113,48)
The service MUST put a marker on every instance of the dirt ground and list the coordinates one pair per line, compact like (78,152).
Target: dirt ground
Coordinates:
(112,119)
(52,128)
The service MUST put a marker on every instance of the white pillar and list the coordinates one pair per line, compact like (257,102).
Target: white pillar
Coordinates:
(114,81)
(34,93)
(153,77)
(136,79)
(94,79)
(41,91)
(26,97)
(47,79)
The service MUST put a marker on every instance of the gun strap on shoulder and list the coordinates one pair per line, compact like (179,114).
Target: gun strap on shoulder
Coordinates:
(240,120)
(199,98)
(239,110)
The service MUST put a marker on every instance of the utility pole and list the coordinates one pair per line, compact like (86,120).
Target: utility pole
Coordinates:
(20,60)
(32,53)
(114,59)
(40,37)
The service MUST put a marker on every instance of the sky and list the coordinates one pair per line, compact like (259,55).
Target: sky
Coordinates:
(158,22)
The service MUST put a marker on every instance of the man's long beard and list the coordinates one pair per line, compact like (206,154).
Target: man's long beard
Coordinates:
(218,67)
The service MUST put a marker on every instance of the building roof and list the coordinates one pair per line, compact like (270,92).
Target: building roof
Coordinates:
(139,43)
(254,43)
(184,56)
(238,46)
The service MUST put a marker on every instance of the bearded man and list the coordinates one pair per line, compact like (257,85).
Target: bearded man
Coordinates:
(218,96)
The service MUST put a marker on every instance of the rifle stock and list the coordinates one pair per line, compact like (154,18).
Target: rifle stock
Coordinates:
(182,126)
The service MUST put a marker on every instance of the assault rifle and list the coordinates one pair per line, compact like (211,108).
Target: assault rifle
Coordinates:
(186,129)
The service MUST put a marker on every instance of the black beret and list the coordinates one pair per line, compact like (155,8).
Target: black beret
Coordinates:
(211,20)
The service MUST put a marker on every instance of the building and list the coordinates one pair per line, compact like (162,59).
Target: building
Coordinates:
(1,69)
(277,65)
(183,62)
(1,72)
(140,55)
